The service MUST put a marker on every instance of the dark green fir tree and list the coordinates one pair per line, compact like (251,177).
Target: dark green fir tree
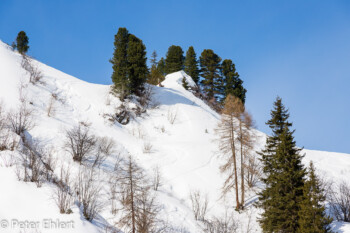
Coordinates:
(191,64)
(120,75)
(22,41)
(174,60)
(137,64)
(232,83)
(210,71)
(284,175)
(312,216)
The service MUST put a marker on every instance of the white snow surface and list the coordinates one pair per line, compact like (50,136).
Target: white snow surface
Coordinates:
(186,150)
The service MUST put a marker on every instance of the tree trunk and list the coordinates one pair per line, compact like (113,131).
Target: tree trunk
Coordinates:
(233,149)
(242,166)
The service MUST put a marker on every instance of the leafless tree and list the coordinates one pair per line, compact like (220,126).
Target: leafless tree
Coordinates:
(146,212)
(339,200)
(80,143)
(32,162)
(138,205)
(105,146)
(199,205)
(225,224)
(157,178)
(228,132)
(63,192)
(35,74)
(4,131)
(51,106)
(253,170)
(88,190)
(21,120)
(246,140)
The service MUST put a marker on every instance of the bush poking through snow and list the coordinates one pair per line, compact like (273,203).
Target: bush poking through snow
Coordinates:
(32,163)
(147,148)
(34,72)
(88,192)
(226,224)
(22,119)
(79,142)
(199,205)
(105,146)
(63,196)
(157,178)
(172,115)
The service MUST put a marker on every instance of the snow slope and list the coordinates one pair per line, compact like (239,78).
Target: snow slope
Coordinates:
(180,131)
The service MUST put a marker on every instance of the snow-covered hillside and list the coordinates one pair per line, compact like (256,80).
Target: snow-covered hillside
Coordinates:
(178,133)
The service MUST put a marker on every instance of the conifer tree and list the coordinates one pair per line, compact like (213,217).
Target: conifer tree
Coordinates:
(155,75)
(185,83)
(137,67)
(232,83)
(22,42)
(210,71)
(191,64)
(174,60)
(161,66)
(120,76)
(153,59)
(312,217)
(284,175)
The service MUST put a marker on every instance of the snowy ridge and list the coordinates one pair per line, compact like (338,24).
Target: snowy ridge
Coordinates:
(180,131)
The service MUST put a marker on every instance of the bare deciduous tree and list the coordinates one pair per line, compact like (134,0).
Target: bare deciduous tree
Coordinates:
(80,143)
(227,131)
(253,170)
(199,205)
(88,190)
(138,205)
(339,200)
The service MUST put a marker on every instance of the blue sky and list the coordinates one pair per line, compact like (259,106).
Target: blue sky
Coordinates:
(299,50)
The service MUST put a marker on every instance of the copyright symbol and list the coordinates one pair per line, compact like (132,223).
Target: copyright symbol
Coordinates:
(4,223)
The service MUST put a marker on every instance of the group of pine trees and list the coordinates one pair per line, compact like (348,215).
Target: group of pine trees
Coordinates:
(293,197)
(216,78)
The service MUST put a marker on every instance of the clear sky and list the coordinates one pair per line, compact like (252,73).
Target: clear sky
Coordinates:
(299,50)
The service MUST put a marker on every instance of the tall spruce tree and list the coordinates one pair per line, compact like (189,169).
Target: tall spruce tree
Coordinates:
(210,71)
(120,75)
(191,64)
(174,60)
(232,83)
(137,66)
(312,216)
(284,175)
(22,41)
